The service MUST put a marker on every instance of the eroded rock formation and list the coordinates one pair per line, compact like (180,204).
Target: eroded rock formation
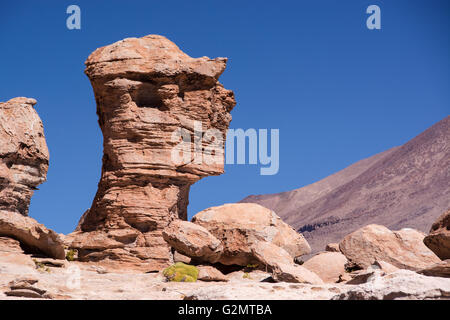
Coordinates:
(146,89)
(23,166)
(23,154)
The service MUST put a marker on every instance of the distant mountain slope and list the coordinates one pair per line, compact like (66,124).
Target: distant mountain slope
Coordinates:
(406,186)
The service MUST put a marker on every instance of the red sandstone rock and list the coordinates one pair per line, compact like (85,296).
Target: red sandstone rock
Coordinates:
(145,90)
(23,154)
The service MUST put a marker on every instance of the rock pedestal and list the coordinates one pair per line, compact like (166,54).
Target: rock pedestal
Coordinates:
(23,154)
(150,97)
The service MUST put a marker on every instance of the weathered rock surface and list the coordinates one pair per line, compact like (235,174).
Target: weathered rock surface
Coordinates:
(267,255)
(384,266)
(439,238)
(193,240)
(146,89)
(295,274)
(403,249)
(327,265)
(209,273)
(23,154)
(32,235)
(440,269)
(27,288)
(240,226)
(363,276)
(403,284)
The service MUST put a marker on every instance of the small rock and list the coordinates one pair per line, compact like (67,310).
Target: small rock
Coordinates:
(295,274)
(209,273)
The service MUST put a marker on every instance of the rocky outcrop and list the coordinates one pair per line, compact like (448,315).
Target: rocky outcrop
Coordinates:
(193,240)
(151,96)
(439,238)
(23,166)
(403,249)
(23,154)
(327,265)
(33,236)
(240,226)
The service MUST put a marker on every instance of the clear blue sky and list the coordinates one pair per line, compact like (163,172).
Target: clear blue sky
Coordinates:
(337,91)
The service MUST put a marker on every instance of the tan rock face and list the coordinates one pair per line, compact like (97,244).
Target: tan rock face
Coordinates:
(146,89)
(193,240)
(295,274)
(34,236)
(403,249)
(327,265)
(23,154)
(439,238)
(242,225)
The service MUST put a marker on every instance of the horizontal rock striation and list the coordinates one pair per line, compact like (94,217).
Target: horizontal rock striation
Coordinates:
(23,154)
(146,89)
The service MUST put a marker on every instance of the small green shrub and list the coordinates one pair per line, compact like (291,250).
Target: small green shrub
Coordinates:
(41,267)
(70,255)
(246,275)
(180,272)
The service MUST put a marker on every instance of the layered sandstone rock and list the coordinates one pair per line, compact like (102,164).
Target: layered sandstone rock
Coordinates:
(34,236)
(241,226)
(147,90)
(23,166)
(439,238)
(23,154)
(404,248)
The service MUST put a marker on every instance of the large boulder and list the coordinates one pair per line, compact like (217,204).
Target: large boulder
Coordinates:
(241,225)
(23,154)
(327,265)
(151,96)
(33,236)
(439,238)
(403,249)
(193,240)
